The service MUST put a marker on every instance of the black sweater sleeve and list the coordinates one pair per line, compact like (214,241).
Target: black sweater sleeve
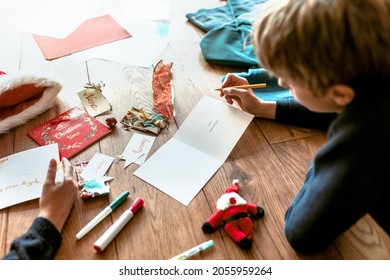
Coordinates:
(289,111)
(40,242)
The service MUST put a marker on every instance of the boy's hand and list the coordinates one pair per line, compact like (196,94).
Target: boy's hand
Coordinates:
(246,98)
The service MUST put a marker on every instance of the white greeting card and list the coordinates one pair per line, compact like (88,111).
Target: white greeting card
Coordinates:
(183,165)
(23,174)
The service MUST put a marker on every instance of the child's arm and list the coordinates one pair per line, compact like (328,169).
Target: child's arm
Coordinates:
(40,242)
(43,238)
(289,111)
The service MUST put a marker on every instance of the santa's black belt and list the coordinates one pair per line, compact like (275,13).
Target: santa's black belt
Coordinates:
(235,217)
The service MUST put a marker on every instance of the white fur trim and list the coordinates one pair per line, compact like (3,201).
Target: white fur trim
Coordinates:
(47,100)
(224,201)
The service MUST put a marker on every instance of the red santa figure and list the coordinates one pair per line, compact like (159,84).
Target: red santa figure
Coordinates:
(236,216)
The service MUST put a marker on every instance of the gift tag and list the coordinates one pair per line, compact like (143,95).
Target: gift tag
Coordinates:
(93,100)
(137,149)
(97,166)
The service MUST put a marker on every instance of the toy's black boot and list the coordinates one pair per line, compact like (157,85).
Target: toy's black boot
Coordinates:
(245,243)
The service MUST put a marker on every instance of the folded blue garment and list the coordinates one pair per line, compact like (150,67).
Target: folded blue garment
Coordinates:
(229,45)
(228,38)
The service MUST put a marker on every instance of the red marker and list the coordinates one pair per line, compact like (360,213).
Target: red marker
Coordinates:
(110,234)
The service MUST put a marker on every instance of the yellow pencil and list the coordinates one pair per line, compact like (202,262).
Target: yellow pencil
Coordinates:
(246,86)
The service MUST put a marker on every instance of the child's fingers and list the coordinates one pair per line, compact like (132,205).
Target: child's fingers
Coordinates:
(51,171)
(234,80)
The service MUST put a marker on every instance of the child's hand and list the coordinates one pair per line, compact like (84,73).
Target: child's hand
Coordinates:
(57,201)
(245,98)
(229,93)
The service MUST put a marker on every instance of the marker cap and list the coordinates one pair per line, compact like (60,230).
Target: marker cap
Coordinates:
(138,203)
(117,201)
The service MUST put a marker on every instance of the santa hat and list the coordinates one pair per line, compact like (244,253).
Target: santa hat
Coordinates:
(234,187)
(24,96)
(230,197)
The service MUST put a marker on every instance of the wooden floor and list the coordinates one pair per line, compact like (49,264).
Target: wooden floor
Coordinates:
(270,159)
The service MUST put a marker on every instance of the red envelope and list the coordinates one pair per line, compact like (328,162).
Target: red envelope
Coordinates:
(93,32)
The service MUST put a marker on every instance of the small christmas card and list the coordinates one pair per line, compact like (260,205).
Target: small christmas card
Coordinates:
(73,130)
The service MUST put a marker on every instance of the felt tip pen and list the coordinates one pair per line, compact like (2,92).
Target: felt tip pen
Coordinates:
(116,227)
(59,178)
(106,211)
(193,251)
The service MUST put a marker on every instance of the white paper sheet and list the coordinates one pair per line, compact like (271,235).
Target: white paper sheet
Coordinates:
(58,18)
(149,9)
(183,165)
(136,9)
(22,174)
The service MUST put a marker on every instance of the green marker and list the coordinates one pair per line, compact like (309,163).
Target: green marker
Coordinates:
(106,211)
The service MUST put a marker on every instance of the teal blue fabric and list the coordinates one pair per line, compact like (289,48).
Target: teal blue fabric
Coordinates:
(260,75)
(229,45)
(228,33)
(208,19)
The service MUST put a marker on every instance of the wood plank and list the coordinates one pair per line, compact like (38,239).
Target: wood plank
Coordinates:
(364,241)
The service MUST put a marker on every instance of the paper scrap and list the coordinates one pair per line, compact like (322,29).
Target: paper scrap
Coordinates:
(97,186)
(95,182)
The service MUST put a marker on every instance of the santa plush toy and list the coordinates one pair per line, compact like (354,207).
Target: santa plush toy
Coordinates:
(235,214)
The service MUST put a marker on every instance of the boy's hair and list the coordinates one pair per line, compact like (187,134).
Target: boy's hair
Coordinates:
(320,43)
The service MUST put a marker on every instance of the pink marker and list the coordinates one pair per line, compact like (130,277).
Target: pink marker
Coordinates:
(110,234)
